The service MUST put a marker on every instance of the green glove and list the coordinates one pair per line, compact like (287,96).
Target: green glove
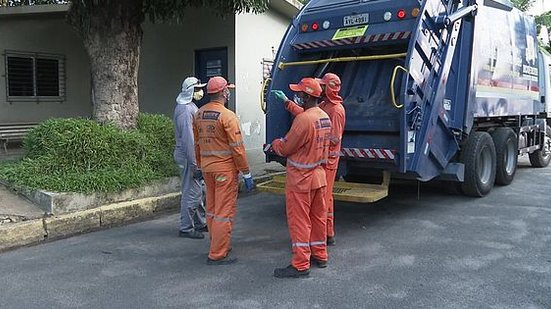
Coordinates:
(280,95)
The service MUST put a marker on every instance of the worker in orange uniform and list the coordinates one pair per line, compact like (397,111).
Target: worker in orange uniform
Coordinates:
(220,154)
(332,105)
(306,149)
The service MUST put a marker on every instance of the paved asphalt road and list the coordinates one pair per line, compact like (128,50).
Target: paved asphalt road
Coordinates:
(441,251)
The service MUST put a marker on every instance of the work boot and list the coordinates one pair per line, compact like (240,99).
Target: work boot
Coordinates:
(203,229)
(290,272)
(225,261)
(331,241)
(191,234)
(318,263)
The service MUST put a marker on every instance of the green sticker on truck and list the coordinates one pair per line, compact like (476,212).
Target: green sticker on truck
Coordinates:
(352,32)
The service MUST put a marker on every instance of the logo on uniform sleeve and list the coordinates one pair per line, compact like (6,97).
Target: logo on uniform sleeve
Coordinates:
(324,123)
(211,115)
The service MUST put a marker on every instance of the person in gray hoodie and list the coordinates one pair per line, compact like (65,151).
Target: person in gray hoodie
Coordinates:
(192,213)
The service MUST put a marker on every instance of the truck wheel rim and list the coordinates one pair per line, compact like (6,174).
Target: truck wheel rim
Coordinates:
(510,157)
(484,165)
(547,147)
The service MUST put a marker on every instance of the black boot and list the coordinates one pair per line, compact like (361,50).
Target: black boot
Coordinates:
(290,272)
(191,234)
(203,229)
(331,241)
(318,263)
(225,261)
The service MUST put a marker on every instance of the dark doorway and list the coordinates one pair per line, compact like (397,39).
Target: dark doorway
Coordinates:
(211,62)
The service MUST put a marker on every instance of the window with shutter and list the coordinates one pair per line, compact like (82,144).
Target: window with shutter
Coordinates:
(35,77)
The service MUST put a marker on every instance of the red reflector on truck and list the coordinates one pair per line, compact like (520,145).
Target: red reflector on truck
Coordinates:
(401,14)
(315,26)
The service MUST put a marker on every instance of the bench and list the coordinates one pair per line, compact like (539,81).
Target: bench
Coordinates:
(14,132)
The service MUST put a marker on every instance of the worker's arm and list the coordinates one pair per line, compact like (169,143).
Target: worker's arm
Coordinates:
(235,141)
(187,138)
(196,141)
(337,126)
(293,108)
(292,141)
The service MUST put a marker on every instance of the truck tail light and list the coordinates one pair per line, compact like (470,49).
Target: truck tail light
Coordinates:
(401,14)
(315,26)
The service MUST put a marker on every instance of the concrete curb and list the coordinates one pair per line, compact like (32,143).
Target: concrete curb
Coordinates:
(49,228)
(55,227)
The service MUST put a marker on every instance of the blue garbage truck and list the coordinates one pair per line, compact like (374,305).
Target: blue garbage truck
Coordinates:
(451,90)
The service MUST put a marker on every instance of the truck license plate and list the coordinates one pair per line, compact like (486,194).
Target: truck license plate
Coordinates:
(353,20)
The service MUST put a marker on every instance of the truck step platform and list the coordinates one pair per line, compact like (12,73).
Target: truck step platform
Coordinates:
(343,191)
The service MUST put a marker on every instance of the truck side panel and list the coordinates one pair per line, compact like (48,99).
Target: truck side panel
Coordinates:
(506,67)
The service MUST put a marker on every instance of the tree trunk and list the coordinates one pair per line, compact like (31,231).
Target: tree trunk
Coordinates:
(112,38)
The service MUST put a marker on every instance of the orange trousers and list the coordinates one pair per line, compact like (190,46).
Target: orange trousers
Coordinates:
(330,175)
(222,189)
(307,220)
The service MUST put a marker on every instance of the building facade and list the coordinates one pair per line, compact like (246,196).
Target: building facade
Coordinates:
(45,73)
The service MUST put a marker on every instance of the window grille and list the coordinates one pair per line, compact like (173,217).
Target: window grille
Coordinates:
(35,77)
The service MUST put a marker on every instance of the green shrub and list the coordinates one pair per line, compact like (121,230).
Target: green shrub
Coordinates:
(78,155)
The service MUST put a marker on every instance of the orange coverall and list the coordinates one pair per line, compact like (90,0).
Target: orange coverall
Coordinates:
(334,108)
(306,149)
(220,153)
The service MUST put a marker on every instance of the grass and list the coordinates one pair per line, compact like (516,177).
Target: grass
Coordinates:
(79,155)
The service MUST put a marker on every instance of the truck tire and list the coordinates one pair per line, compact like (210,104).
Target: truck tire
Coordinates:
(541,158)
(479,157)
(506,143)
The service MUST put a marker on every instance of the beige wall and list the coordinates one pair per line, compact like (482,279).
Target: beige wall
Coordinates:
(45,35)
(168,56)
(256,37)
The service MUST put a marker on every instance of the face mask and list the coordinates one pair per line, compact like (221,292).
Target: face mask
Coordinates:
(198,95)
(298,100)
(227,96)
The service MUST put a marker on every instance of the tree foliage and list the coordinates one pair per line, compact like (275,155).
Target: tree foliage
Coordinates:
(523,5)
(160,9)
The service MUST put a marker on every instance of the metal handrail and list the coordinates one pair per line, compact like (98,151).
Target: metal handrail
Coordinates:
(282,65)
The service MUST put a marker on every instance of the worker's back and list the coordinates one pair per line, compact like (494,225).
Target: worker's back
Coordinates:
(314,127)
(218,139)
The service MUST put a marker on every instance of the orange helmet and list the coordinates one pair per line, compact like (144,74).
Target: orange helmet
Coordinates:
(309,86)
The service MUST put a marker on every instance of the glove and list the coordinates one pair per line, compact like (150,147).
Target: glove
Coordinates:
(278,94)
(249,182)
(197,174)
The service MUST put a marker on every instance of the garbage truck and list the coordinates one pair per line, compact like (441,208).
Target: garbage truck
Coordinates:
(449,90)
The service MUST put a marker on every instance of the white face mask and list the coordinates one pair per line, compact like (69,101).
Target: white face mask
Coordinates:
(198,95)
(228,96)
(298,100)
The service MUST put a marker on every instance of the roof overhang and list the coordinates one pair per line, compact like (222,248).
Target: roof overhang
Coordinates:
(45,9)
(289,8)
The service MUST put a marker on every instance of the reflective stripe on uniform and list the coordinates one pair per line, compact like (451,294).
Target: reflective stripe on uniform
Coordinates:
(334,153)
(301,244)
(222,219)
(305,165)
(330,214)
(236,144)
(218,219)
(308,244)
(215,153)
